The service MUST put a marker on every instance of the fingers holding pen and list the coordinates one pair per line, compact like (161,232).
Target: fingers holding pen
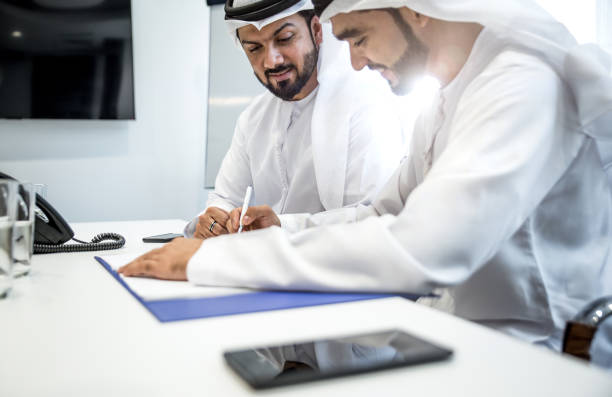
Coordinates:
(254,218)
(246,220)
(234,220)
(257,217)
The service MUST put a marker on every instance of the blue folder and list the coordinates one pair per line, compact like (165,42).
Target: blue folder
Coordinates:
(167,310)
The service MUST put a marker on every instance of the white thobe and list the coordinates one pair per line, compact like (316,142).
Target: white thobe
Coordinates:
(335,148)
(501,199)
(282,171)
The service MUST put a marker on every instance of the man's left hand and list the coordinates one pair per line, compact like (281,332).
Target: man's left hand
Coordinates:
(168,262)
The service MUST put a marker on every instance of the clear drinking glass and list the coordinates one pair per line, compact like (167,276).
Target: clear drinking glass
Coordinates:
(41,189)
(8,206)
(23,231)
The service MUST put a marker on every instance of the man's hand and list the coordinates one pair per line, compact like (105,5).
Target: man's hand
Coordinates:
(211,223)
(168,262)
(259,217)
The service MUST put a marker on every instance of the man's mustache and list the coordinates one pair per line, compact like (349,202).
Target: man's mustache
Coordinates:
(279,69)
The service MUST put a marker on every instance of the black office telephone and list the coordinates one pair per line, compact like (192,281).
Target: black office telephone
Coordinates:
(51,231)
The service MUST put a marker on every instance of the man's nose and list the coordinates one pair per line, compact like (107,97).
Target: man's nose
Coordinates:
(358,60)
(273,58)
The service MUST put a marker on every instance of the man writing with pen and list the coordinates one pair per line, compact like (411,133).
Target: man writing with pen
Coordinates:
(503,199)
(295,145)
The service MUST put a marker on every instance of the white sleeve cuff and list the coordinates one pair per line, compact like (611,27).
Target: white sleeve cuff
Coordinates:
(189,229)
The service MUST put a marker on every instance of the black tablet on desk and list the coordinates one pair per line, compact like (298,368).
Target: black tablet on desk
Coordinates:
(286,364)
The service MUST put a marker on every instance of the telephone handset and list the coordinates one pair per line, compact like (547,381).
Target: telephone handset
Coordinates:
(51,231)
(49,226)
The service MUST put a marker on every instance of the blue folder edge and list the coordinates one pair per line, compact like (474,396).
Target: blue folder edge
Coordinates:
(168,310)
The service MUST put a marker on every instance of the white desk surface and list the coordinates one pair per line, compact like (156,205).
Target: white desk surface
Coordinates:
(69,329)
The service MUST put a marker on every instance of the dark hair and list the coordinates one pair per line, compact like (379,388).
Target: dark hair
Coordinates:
(320,6)
(307,15)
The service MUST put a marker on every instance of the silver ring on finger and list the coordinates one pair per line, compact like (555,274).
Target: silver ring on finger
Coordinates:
(212,225)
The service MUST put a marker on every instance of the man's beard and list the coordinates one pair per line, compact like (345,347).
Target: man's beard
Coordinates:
(286,90)
(411,64)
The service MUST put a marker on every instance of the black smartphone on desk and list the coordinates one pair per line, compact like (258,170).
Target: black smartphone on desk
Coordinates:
(271,366)
(161,238)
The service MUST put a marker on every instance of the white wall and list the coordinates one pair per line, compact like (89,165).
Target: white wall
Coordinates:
(150,168)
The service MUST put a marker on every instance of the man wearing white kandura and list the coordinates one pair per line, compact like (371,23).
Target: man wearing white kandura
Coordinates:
(322,137)
(503,198)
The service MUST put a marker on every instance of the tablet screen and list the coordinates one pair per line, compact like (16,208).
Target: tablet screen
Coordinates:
(326,358)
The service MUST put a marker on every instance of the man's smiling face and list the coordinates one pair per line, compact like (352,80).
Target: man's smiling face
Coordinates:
(284,55)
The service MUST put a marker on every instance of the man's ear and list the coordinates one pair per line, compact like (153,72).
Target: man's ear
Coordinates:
(317,30)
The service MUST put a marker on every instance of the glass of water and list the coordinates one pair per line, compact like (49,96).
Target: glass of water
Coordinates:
(8,206)
(41,189)
(23,232)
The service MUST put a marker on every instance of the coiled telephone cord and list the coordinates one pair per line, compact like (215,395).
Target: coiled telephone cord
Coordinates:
(96,244)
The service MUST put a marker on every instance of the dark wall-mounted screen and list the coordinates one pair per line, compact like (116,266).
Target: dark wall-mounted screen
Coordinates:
(66,59)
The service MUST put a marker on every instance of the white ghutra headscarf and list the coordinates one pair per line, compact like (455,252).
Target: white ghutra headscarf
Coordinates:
(524,24)
(235,24)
